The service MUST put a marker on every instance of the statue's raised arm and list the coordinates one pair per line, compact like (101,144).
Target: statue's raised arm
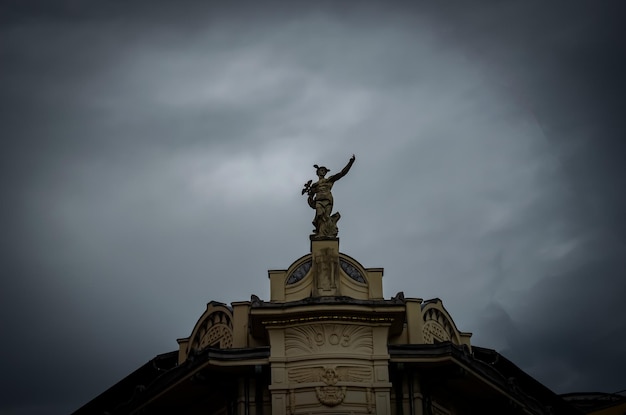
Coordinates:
(343,171)
(320,198)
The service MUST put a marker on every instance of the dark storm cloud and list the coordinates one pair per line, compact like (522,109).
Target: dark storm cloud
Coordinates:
(566,63)
(151,152)
(573,321)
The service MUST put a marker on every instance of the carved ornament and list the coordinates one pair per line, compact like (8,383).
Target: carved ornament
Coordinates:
(331,394)
(330,375)
(325,269)
(219,335)
(316,338)
(437,327)
(215,330)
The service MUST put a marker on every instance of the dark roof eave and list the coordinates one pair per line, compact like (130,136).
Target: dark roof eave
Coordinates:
(497,370)
(151,379)
(209,357)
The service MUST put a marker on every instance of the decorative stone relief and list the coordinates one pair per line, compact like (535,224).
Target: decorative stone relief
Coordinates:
(317,338)
(330,375)
(369,400)
(330,394)
(325,269)
(215,331)
(437,327)
(291,407)
(433,331)
(219,335)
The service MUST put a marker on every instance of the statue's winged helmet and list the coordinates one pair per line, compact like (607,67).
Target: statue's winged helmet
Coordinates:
(319,168)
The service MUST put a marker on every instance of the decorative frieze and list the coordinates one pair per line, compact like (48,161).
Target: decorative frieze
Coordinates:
(330,375)
(319,338)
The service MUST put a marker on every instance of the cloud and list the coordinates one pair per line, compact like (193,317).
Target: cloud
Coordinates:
(154,158)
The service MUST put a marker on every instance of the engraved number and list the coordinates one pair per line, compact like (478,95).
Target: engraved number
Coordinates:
(345,340)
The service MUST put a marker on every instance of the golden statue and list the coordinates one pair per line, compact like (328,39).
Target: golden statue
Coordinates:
(320,198)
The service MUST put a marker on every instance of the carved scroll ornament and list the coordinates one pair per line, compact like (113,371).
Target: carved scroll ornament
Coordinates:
(317,338)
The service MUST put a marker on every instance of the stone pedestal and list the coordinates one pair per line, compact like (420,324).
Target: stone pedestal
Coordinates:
(325,267)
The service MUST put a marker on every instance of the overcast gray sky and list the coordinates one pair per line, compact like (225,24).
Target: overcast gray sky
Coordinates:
(153,155)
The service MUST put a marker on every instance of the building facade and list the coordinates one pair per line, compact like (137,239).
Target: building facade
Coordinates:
(328,342)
